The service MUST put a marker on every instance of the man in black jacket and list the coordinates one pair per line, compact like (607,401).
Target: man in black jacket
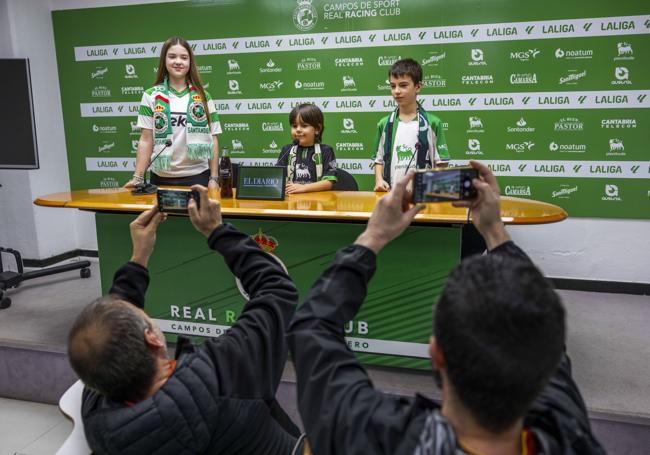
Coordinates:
(498,353)
(218,397)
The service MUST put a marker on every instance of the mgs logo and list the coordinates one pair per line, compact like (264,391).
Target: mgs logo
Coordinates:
(271,86)
(305,15)
(524,56)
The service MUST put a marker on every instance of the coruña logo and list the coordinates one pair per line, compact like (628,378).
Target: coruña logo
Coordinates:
(305,15)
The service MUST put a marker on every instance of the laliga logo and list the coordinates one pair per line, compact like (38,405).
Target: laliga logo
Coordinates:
(305,15)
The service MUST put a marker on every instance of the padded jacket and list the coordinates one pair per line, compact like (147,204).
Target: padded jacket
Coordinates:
(221,396)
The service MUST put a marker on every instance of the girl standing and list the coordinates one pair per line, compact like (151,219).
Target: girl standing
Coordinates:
(311,165)
(178,110)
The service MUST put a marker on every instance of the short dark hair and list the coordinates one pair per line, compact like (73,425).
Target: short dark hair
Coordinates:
(407,67)
(501,328)
(311,115)
(107,350)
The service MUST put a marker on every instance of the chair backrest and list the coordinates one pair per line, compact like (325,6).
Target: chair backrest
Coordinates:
(70,406)
(345,181)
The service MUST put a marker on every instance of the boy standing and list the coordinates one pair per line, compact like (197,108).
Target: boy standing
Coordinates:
(409,137)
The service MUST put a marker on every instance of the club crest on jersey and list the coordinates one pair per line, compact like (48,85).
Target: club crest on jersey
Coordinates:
(196,98)
(160,122)
(197,112)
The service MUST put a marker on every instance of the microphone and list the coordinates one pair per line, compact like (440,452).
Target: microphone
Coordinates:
(145,187)
(417,150)
(293,144)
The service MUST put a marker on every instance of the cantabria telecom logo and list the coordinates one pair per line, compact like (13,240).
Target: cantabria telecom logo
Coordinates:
(349,146)
(346,62)
(236,126)
(477,79)
(305,15)
(618,123)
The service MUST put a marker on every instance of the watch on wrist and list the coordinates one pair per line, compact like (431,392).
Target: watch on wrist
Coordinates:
(216,179)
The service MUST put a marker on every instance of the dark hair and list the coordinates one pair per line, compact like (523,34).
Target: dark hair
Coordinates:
(501,329)
(192,76)
(311,115)
(407,67)
(107,350)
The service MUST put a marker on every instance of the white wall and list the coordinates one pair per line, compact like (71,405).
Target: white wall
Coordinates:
(593,249)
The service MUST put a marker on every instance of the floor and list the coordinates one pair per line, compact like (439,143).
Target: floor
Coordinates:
(608,341)
(28,428)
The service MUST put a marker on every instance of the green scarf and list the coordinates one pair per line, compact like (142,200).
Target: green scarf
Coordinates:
(199,140)
(390,130)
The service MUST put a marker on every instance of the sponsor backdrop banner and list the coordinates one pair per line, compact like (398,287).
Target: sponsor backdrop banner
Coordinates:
(554,96)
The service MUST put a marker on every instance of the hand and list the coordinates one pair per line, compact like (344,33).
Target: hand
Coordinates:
(208,218)
(129,184)
(143,234)
(485,209)
(295,188)
(213,185)
(390,217)
(381,185)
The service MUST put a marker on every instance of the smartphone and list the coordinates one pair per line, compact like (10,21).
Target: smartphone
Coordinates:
(448,184)
(175,201)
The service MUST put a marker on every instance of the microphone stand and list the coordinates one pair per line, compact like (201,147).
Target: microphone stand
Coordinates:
(145,187)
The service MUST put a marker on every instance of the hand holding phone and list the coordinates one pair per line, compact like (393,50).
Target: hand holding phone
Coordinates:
(175,201)
(444,185)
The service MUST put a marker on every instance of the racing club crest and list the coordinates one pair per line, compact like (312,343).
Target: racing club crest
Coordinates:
(305,15)
(160,122)
(197,112)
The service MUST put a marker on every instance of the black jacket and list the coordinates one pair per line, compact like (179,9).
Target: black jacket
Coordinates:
(221,396)
(344,414)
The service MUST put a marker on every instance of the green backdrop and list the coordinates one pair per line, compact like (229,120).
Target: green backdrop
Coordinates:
(553,95)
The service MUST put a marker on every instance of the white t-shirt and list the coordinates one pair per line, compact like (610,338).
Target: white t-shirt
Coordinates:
(181,165)
(403,157)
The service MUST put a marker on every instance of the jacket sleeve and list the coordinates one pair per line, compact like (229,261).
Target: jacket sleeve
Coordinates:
(250,357)
(130,283)
(341,410)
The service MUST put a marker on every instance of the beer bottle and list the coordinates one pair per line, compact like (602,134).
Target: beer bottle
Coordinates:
(225,174)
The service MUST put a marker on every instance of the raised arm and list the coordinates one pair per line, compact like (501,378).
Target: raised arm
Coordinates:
(254,350)
(341,410)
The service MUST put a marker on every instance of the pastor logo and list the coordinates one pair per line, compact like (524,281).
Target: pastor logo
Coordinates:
(233,67)
(611,193)
(109,182)
(270,67)
(477,58)
(434,81)
(233,87)
(129,71)
(348,84)
(564,192)
(99,73)
(624,51)
(568,124)
(622,75)
(518,190)
(100,92)
(308,64)
(305,15)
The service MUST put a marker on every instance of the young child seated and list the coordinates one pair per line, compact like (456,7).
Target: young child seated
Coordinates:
(311,166)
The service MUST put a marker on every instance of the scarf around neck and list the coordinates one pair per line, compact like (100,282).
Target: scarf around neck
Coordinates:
(199,140)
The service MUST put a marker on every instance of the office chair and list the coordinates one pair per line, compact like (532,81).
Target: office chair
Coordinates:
(10,279)
(345,181)
(70,406)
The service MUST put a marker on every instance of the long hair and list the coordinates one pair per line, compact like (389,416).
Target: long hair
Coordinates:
(192,76)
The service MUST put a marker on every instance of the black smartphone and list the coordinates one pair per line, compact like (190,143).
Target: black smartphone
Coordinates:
(448,184)
(175,201)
